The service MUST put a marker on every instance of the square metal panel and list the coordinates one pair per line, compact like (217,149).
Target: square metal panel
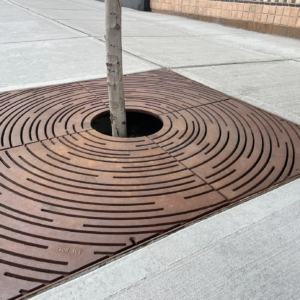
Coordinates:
(71,197)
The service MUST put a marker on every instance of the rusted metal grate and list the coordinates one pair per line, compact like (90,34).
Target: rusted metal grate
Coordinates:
(71,197)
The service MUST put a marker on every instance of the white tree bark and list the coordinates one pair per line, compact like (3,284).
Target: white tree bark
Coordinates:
(114,68)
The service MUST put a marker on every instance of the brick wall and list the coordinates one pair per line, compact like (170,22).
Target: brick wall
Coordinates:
(280,17)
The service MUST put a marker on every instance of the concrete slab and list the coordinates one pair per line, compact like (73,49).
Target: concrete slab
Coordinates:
(264,43)
(69,14)
(130,28)
(90,4)
(246,265)
(233,255)
(196,27)
(47,4)
(273,86)
(146,16)
(34,30)
(3,3)
(188,51)
(31,64)
(10,13)
(135,28)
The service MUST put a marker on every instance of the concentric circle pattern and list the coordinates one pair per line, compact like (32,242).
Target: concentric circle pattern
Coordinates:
(70,196)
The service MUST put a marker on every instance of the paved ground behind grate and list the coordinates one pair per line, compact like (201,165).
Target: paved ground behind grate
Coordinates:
(59,42)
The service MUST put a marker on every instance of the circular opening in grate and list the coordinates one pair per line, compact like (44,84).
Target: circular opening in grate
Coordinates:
(138,124)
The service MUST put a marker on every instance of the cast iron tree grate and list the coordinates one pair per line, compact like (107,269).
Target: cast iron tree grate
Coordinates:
(71,196)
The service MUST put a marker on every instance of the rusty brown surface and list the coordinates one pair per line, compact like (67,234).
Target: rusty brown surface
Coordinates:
(70,196)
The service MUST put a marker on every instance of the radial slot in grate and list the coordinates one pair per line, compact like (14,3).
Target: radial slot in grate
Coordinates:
(71,197)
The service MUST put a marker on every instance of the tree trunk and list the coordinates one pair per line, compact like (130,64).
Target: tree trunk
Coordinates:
(114,68)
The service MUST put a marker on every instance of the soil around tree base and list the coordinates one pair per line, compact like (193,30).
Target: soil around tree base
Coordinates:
(138,124)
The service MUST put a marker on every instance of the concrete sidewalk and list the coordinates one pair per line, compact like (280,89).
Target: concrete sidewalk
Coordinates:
(247,252)
(49,42)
